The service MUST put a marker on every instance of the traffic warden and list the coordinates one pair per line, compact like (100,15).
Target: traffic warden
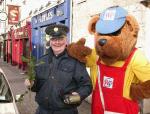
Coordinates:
(61,82)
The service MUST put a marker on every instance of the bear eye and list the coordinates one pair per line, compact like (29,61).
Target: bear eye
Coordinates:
(101,34)
(115,33)
(112,34)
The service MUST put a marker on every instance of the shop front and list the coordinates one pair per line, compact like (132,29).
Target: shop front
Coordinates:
(9,48)
(3,46)
(59,13)
(21,45)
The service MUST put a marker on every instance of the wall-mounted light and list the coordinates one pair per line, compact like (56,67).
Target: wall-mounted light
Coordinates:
(4,35)
(16,25)
(48,4)
(1,1)
(11,28)
(146,3)
(41,8)
(24,2)
(30,13)
(58,1)
(3,16)
(19,23)
(35,11)
(80,1)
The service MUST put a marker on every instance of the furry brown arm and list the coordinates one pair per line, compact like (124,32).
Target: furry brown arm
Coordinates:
(140,91)
(78,50)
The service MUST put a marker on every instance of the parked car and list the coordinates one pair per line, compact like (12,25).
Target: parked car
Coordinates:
(7,100)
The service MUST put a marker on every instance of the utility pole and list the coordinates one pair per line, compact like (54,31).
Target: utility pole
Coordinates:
(3,15)
(7,18)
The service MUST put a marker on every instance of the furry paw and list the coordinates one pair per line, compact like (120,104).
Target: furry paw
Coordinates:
(78,50)
(140,91)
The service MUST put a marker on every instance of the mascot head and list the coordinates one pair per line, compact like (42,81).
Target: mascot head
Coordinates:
(115,33)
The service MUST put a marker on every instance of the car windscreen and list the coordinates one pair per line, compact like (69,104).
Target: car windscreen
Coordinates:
(5,93)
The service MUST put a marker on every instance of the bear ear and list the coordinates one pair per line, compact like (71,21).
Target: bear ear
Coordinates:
(92,24)
(132,25)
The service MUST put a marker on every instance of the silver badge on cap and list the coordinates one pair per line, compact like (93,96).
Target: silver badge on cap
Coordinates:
(56,29)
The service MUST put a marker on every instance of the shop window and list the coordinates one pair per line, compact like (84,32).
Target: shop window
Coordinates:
(63,22)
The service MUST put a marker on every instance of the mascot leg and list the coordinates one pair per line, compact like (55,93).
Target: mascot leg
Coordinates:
(97,107)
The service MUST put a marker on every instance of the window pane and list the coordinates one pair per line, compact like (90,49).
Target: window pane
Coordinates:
(5,93)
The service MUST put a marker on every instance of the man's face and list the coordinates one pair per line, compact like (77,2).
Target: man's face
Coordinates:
(58,45)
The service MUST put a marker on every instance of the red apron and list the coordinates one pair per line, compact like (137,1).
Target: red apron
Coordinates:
(112,83)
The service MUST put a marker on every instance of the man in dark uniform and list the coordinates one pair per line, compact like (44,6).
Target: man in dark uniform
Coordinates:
(61,81)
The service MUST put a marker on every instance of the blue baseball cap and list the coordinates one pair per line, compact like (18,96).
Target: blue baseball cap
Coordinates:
(111,20)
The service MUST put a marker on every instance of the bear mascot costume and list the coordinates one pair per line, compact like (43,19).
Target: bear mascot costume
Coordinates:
(119,71)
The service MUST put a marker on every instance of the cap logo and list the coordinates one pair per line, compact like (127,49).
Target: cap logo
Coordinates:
(56,29)
(109,14)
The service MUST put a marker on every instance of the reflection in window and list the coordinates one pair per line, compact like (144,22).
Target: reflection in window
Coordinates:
(5,93)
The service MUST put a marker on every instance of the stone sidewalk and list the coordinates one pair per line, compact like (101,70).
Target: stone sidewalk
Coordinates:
(28,106)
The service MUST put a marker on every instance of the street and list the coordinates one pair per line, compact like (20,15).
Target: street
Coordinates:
(28,105)
(111,38)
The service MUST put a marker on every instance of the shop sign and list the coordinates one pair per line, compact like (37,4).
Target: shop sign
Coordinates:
(35,20)
(20,33)
(48,15)
(13,14)
(39,18)
(44,17)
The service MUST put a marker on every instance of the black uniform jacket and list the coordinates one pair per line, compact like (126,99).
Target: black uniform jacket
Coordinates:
(57,76)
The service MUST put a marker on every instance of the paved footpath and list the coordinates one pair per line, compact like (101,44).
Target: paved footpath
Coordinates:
(16,80)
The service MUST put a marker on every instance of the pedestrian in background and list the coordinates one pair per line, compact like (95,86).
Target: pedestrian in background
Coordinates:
(61,82)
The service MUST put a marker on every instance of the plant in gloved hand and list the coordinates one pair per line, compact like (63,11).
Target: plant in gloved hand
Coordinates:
(31,64)
(30,67)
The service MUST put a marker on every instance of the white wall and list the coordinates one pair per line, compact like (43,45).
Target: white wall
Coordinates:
(82,13)
(147,33)
(31,5)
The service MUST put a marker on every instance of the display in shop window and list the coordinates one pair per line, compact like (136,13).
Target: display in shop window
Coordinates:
(59,13)
(35,20)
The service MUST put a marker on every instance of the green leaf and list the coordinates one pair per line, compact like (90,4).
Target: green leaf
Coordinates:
(31,64)
(24,59)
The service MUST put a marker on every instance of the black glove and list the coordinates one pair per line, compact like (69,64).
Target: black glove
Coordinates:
(72,99)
